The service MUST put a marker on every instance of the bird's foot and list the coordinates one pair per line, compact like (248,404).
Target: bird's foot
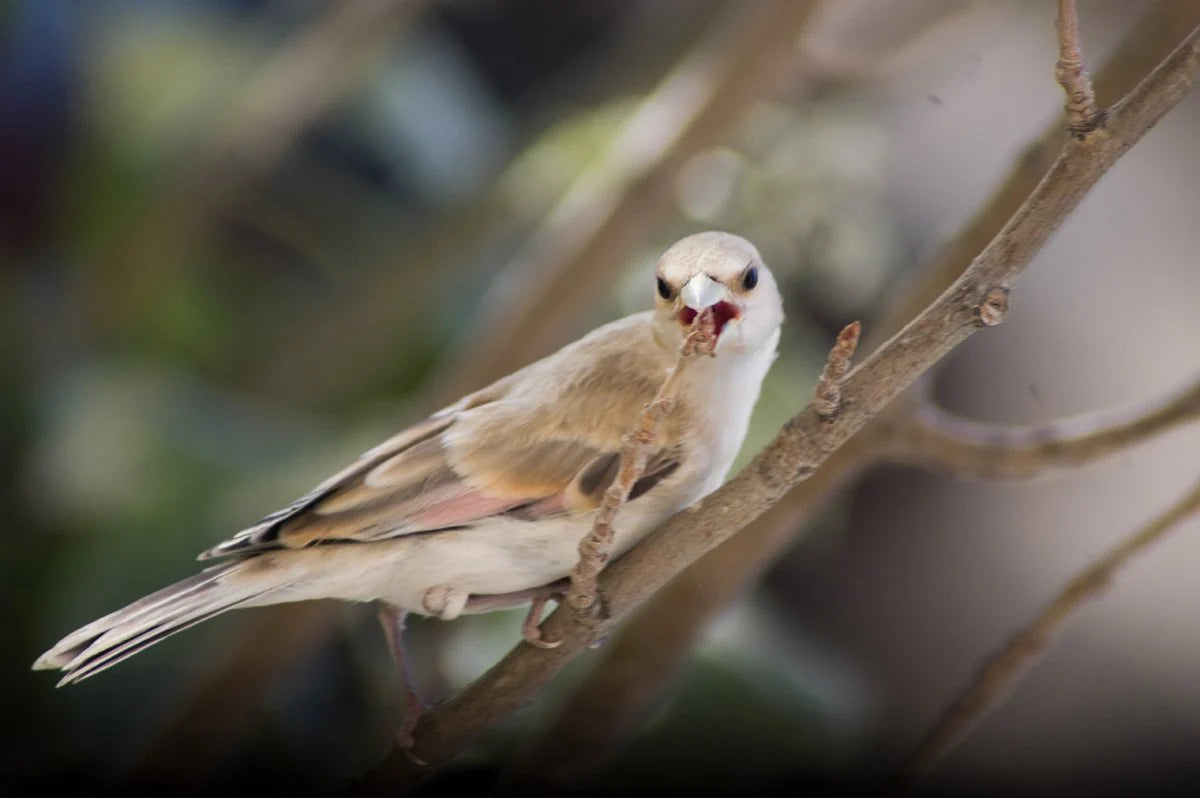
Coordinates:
(414,708)
(530,630)
(392,620)
(537,596)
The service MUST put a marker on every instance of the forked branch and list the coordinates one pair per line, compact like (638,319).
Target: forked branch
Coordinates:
(635,667)
(1082,115)
(808,439)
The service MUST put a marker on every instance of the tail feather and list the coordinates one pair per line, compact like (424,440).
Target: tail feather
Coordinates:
(90,662)
(73,644)
(119,635)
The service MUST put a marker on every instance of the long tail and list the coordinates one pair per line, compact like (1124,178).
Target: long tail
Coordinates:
(118,636)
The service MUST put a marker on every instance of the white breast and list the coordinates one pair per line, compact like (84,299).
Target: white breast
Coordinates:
(730,385)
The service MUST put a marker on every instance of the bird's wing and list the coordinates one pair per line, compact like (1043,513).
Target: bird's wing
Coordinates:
(520,448)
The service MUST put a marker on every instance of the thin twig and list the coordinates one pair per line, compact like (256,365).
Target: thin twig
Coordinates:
(1082,115)
(807,440)
(650,649)
(647,652)
(652,646)
(1152,37)
(998,676)
(827,396)
(596,546)
(942,441)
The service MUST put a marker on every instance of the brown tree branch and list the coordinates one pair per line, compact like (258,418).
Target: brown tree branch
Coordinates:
(936,439)
(234,685)
(999,675)
(596,546)
(1081,101)
(1152,37)
(827,396)
(807,440)
(649,650)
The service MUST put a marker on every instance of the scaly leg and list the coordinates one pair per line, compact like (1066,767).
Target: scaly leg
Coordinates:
(537,597)
(529,627)
(392,620)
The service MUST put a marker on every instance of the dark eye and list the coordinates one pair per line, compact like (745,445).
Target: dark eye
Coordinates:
(664,290)
(750,278)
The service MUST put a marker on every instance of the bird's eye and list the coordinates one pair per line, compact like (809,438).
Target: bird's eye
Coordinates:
(664,290)
(750,278)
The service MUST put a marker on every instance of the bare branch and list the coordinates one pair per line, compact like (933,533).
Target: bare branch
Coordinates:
(807,440)
(1154,35)
(649,649)
(596,546)
(827,396)
(999,675)
(942,441)
(1082,116)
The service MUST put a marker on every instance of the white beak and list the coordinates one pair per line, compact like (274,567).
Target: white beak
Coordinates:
(701,292)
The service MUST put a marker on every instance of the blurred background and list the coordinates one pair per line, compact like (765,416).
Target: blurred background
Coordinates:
(241,241)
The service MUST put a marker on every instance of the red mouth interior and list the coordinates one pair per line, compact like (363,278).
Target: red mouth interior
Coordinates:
(723,312)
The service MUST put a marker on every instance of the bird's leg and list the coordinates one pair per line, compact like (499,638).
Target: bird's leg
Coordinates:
(537,598)
(529,627)
(392,620)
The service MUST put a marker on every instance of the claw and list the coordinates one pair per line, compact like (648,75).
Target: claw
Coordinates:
(405,742)
(529,627)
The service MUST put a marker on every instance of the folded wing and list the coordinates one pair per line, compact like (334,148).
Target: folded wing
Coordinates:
(470,463)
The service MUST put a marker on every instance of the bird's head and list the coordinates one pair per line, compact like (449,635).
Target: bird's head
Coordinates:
(724,272)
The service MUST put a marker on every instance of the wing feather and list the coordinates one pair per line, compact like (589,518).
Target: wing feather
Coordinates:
(541,442)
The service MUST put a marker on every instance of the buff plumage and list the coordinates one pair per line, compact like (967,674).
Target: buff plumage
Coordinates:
(486,500)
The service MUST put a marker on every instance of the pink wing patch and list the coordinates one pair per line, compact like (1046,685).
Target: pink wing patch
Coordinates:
(463,508)
(475,505)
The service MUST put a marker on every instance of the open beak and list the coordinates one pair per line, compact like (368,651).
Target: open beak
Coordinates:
(702,292)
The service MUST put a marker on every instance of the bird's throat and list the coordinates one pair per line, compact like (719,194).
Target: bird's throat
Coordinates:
(723,313)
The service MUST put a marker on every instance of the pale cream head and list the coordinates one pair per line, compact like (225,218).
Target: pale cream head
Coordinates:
(722,271)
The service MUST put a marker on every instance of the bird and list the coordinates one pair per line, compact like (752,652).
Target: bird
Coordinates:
(482,505)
